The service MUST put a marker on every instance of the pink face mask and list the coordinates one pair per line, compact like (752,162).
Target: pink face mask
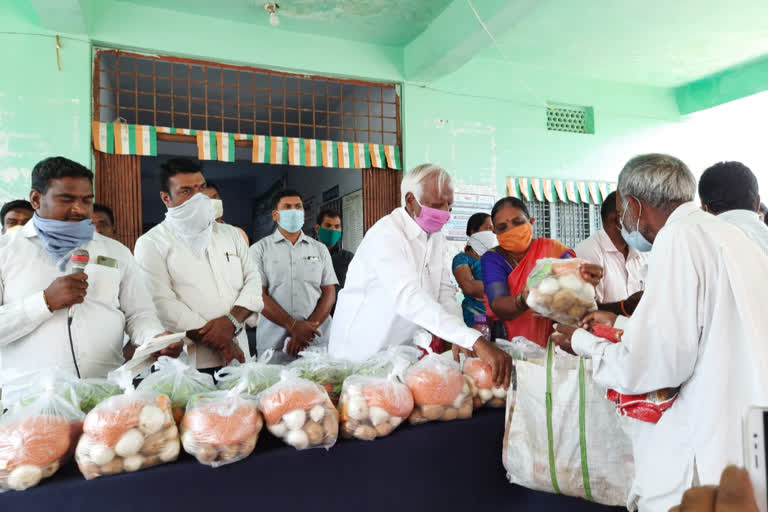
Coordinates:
(432,220)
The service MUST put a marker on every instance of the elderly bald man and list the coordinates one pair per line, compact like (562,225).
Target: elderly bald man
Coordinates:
(400,281)
(700,326)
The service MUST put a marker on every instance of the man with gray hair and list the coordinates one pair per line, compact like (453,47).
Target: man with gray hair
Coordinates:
(399,281)
(700,327)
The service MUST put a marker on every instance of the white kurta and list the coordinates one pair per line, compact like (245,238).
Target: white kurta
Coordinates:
(622,276)
(750,224)
(189,290)
(701,325)
(32,338)
(398,281)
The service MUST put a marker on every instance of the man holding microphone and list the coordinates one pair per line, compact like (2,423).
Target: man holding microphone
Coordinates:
(51,316)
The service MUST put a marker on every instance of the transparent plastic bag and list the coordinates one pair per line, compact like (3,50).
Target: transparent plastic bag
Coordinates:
(177,381)
(299,412)
(127,432)
(221,427)
(37,435)
(381,364)
(557,291)
(88,393)
(440,391)
(255,374)
(374,406)
(480,373)
(318,366)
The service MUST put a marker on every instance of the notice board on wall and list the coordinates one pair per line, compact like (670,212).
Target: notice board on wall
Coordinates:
(352,215)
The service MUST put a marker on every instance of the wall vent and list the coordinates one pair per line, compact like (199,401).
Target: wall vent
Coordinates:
(570,118)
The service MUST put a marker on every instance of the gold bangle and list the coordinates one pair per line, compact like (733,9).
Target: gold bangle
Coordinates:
(45,299)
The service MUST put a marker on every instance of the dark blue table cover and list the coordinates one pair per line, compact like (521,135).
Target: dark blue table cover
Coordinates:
(436,466)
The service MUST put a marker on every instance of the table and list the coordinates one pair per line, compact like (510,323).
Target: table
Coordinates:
(435,466)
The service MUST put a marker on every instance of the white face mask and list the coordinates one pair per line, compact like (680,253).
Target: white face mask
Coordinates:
(192,221)
(482,241)
(217,207)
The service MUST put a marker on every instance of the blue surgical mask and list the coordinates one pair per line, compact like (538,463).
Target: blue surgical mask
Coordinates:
(291,220)
(59,238)
(635,239)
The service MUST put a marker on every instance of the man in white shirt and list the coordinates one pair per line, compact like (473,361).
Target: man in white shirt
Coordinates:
(622,265)
(15,214)
(730,191)
(199,271)
(700,326)
(299,284)
(39,294)
(400,280)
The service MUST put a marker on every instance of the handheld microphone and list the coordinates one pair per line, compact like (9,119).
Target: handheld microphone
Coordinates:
(79,260)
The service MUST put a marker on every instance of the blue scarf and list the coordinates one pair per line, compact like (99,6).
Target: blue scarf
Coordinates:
(60,237)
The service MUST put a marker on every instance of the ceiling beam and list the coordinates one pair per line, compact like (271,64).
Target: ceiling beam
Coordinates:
(728,85)
(60,15)
(456,36)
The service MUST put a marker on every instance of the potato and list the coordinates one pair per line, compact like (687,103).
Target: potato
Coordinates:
(205,453)
(416,416)
(465,411)
(365,432)
(331,426)
(497,402)
(315,432)
(450,414)
(229,452)
(152,460)
(113,467)
(577,311)
(154,444)
(347,430)
(563,300)
(249,444)
(477,402)
(384,429)
(432,412)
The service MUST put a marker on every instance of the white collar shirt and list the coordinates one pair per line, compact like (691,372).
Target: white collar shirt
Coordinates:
(31,337)
(750,224)
(622,276)
(700,326)
(189,290)
(398,282)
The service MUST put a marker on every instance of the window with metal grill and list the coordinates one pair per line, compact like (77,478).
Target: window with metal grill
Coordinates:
(201,95)
(570,223)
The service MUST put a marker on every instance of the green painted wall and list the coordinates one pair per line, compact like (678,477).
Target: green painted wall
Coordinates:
(487,121)
(43,112)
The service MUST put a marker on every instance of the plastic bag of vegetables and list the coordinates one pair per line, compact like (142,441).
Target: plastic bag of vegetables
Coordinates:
(382,363)
(299,412)
(177,381)
(37,436)
(316,365)
(557,291)
(440,391)
(221,427)
(88,393)
(480,375)
(374,406)
(256,374)
(127,432)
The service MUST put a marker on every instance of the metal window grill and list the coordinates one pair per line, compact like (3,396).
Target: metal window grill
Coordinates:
(569,223)
(540,211)
(202,95)
(573,119)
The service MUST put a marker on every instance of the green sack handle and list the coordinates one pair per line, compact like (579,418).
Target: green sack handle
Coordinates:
(582,425)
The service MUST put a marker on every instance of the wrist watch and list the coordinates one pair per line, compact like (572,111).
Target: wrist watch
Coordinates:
(238,326)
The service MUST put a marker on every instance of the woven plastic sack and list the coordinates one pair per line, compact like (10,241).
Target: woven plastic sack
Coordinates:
(563,436)
(557,291)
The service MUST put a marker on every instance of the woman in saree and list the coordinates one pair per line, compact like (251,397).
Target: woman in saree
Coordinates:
(506,268)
